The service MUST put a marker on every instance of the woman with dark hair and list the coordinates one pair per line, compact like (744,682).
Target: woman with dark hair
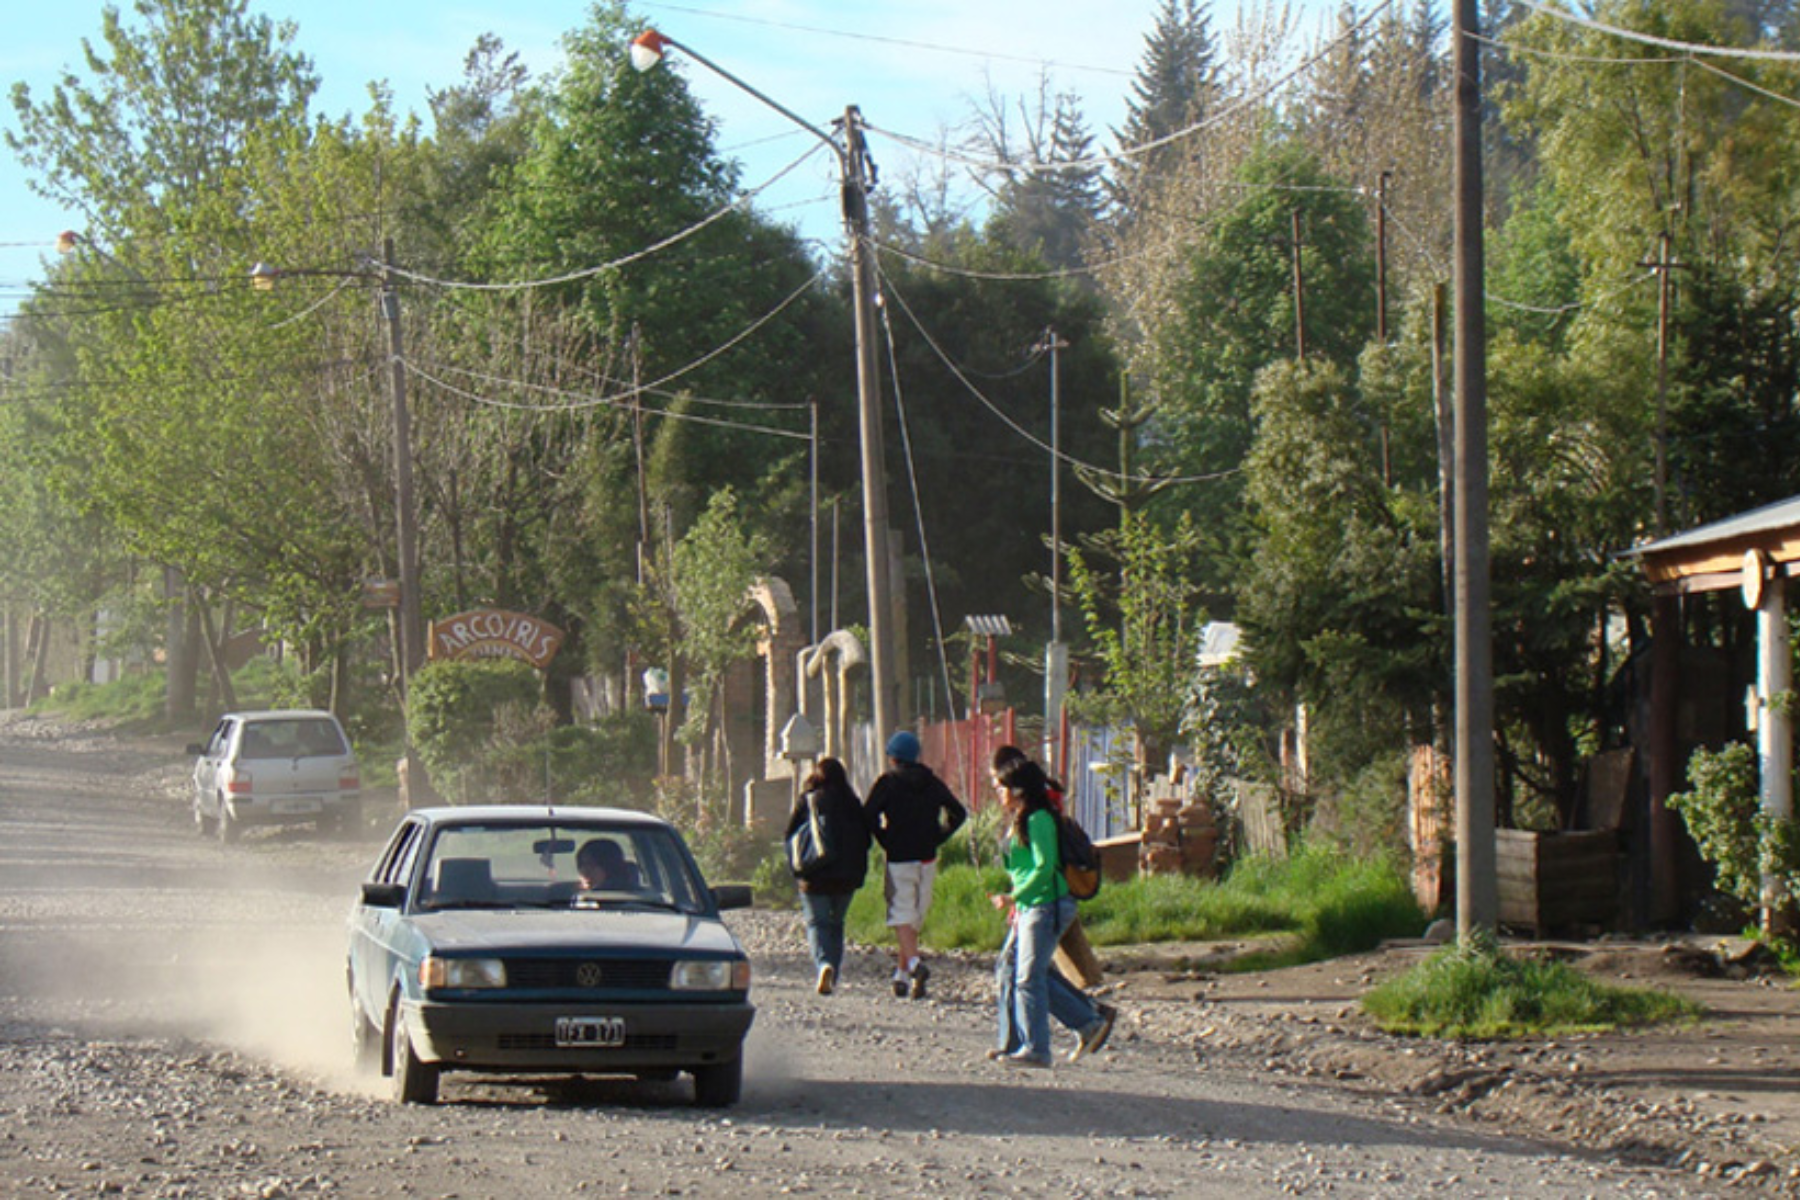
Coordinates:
(828,800)
(1042,909)
(1069,1005)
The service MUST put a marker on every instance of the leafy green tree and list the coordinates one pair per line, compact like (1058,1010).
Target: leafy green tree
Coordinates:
(1144,618)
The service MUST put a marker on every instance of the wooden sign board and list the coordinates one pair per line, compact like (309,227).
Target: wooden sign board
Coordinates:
(496,633)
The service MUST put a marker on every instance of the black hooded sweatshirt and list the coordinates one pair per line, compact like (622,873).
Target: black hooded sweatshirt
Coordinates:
(911,813)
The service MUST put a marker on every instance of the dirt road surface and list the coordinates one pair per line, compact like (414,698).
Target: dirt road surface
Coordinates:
(172,1024)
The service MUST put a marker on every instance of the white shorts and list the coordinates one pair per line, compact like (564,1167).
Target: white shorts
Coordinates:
(909,892)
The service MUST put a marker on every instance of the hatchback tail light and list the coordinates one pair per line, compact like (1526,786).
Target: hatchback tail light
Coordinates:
(238,784)
(349,778)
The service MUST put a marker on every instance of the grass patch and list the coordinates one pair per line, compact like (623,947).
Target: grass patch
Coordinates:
(134,702)
(1330,906)
(1480,993)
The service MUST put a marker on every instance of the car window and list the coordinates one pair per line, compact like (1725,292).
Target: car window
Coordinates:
(220,736)
(292,737)
(527,865)
(396,866)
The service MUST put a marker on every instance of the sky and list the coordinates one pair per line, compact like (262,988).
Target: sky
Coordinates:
(915,67)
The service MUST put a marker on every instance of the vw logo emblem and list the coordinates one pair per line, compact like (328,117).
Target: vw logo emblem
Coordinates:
(588,975)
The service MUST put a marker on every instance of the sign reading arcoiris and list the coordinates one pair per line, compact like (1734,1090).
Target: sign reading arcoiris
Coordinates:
(496,633)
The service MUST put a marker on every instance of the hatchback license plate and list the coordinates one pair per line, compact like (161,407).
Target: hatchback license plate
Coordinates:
(590,1031)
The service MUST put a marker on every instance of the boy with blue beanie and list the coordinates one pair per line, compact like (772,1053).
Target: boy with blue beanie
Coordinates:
(911,813)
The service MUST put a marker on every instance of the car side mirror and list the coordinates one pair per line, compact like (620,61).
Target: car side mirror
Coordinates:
(195,749)
(733,895)
(383,895)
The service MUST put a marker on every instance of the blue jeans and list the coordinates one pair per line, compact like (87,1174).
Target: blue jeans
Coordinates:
(825,927)
(1031,990)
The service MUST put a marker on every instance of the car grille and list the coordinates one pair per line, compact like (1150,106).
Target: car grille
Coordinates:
(589,974)
(545,1041)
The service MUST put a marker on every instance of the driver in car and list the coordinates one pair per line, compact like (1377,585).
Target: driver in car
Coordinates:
(602,867)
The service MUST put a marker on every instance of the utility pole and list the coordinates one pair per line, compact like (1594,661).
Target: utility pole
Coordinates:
(1381,329)
(856,179)
(1477,886)
(1665,267)
(812,591)
(1299,294)
(1056,657)
(412,624)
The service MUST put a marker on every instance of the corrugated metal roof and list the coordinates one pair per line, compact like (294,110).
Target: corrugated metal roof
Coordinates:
(1783,514)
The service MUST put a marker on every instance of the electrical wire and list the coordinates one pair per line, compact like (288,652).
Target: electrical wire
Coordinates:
(716,215)
(1061,455)
(912,477)
(1125,155)
(1632,35)
(935,47)
(580,402)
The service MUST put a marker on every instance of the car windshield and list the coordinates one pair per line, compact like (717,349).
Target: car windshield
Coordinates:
(539,865)
(292,737)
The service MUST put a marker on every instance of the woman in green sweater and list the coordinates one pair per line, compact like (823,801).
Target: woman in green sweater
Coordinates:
(1042,909)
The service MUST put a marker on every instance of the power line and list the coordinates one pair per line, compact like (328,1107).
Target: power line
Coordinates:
(1632,35)
(1061,455)
(624,260)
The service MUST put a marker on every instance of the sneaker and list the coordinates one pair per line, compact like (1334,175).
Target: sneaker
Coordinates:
(920,973)
(995,1054)
(1025,1060)
(827,980)
(900,986)
(1095,1035)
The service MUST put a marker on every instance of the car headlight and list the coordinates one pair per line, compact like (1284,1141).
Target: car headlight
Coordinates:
(437,972)
(711,975)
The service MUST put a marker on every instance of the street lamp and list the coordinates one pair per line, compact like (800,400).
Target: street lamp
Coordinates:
(854,171)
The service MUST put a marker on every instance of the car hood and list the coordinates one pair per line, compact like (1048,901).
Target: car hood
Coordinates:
(549,931)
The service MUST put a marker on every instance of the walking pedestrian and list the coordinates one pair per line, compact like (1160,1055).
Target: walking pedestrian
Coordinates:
(828,800)
(1071,1007)
(911,812)
(1041,909)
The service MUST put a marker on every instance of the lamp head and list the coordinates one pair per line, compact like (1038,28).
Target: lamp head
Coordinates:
(647,49)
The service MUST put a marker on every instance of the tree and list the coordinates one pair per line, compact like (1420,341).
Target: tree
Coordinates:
(1175,83)
(1144,619)
(1047,207)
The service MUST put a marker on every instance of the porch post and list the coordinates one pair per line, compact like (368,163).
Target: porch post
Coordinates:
(1774,729)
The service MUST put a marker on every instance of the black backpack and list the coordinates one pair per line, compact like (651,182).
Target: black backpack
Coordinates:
(1080,860)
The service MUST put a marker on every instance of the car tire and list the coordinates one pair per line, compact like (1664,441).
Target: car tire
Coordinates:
(719,1085)
(365,1042)
(228,828)
(415,1081)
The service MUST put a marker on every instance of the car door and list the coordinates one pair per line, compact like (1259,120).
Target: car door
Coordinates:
(373,928)
(207,766)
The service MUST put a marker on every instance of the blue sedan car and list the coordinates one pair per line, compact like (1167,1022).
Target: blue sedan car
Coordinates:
(532,940)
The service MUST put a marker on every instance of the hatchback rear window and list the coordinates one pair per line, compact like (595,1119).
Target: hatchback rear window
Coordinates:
(296,737)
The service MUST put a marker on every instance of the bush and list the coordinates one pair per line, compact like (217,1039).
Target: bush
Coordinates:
(459,714)
(1723,812)
(1474,991)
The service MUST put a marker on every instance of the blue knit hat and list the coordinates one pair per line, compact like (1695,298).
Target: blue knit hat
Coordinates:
(903,747)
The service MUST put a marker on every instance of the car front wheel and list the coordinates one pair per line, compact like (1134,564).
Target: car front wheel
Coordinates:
(415,1081)
(719,1085)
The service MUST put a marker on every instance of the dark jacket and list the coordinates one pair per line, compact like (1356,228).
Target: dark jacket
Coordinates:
(911,813)
(847,833)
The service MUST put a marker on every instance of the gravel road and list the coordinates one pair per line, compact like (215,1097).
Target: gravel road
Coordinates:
(172,1024)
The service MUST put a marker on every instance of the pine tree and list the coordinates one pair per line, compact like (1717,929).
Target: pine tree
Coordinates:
(1048,212)
(1174,86)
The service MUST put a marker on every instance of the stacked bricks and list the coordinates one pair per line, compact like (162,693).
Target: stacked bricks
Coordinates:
(1179,838)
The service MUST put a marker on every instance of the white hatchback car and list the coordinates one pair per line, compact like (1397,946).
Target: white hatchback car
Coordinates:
(281,767)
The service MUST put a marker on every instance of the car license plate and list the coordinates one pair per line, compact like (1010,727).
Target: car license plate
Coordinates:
(590,1031)
(297,806)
